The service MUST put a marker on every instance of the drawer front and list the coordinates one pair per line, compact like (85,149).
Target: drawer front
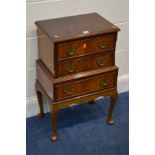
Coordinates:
(86,85)
(86,64)
(82,47)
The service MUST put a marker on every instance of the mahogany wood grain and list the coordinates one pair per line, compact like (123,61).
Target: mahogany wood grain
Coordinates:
(86,46)
(76,63)
(53,80)
(50,52)
(46,50)
(68,28)
(88,82)
(88,63)
(87,85)
(46,79)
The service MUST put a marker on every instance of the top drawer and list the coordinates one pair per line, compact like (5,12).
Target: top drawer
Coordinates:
(83,47)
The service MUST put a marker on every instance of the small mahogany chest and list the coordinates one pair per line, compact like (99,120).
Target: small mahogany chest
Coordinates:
(76,62)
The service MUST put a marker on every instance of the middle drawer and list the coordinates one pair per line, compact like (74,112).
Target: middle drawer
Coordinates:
(86,64)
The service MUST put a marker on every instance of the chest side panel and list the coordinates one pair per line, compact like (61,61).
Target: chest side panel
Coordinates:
(44,79)
(46,50)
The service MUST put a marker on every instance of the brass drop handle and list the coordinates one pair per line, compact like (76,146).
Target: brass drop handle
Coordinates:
(104,82)
(68,91)
(70,68)
(102,44)
(70,51)
(101,62)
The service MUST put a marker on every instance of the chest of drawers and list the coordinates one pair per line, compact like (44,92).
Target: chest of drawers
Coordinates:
(76,63)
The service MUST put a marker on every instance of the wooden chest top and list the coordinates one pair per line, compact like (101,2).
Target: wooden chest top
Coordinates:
(75,27)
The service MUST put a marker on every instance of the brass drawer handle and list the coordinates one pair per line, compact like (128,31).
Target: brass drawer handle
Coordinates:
(102,44)
(68,91)
(101,62)
(70,68)
(104,82)
(70,51)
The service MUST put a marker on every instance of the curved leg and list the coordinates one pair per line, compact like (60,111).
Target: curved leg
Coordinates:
(40,101)
(53,109)
(54,114)
(111,108)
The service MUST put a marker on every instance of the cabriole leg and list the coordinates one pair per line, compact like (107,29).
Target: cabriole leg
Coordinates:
(40,103)
(111,108)
(54,116)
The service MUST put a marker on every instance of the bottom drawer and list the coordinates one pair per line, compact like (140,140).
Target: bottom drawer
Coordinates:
(88,84)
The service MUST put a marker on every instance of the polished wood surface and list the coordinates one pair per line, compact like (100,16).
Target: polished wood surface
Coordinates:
(86,46)
(46,50)
(46,80)
(68,28)
(41,66)
(86,85)
(87,63)
(76,63)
